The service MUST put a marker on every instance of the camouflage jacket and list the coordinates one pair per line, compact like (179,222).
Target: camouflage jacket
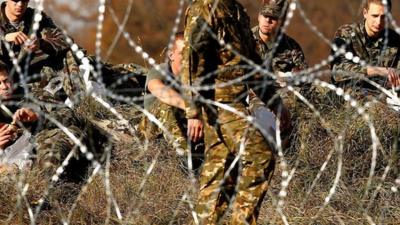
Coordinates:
(52,42)
(207,62)
(287,57)
(375,52)
(54,60)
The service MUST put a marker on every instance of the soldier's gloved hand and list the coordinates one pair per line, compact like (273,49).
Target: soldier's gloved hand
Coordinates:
(195,129)
(17,38)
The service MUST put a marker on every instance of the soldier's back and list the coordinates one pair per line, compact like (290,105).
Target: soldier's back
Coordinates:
(229,24)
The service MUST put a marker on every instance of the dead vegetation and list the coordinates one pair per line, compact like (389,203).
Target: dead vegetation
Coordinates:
(163,196)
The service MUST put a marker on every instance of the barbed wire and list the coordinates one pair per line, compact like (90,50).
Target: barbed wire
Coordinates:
(286,168)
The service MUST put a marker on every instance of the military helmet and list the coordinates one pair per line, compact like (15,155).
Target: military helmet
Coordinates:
(273,8)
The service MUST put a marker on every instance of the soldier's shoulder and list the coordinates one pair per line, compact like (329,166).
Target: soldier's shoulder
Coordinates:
(346,30)
(158,68)
(158,72)
(30,12)
(394,37)
(290,41)
(45,18)
(197,11)
(254,30)
(197,8)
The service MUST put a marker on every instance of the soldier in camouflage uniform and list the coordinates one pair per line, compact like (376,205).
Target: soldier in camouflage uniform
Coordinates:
(45,52)
(211,64)
(287,56)
(284,56)
(52,144)
(164,101)
(16,28)
(11,112)
(47,62)
(371,42)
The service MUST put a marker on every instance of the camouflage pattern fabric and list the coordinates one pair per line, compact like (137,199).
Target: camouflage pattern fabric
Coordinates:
(52,41)
(53,144)
(375,52)
(58,82)
(115,75)
(54,61)
(131,68)
(255,170)
(287,57)
(224,131)
(174,121)
(127,80)
(274,8)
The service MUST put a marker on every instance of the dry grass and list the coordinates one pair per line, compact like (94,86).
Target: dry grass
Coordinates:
(157,202)
(159,199)
(353,200)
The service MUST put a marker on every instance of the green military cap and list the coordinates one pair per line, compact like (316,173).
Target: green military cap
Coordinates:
(273,8)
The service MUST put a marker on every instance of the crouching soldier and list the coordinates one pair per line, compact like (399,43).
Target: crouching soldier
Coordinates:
(164,101)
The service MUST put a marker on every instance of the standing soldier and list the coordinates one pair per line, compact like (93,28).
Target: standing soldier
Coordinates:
(284,56)
(370,41)
(218,47)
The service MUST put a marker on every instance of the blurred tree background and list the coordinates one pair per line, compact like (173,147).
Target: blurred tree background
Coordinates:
(150,23)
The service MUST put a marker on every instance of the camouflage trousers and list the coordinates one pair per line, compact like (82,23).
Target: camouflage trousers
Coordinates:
(241,187)
(54,145)
(174,132)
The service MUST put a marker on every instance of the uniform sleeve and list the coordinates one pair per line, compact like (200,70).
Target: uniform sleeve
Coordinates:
(345,69)
(155,74)
(52,42)
(299,59)
(198,61)
(289,57)
(4,58)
